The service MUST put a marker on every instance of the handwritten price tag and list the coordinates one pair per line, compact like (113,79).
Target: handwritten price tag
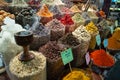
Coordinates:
(67,56)
(87,57)
(105,43)
(98,40)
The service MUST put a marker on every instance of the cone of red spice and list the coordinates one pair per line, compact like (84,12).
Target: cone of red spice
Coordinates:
(102,59)
(68,22)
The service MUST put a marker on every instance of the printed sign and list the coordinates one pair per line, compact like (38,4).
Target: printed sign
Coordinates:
(98,40)
(67,56)
(105,43)
(87,57)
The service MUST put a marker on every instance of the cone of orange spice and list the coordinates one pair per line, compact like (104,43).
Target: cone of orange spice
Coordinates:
(45,14)
(114,41)
(102,59)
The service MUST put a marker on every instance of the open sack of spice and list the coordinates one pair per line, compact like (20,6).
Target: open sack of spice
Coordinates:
(102,59)
(114,41)
(41,35)
(26,17)
(68,22)
(70,41)
(34,69)
(77,74)
(57,29)
(55,66)
(45,14)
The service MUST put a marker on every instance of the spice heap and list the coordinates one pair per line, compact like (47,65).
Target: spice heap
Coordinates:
(25,17)
(76,75)
(68,22)
(57,29)
(58,2)
(30,70)
(41,36)
(55,10)
(65,10)
(34,3)
(19,3)
(78,20)
(82,34)
(93,16)
(114,41)
(49,2)
(101,14)
(92,29)
(4,14)
(102,59)
(51,50)
(44,12)
(84,37)
(74,9)
(69,40)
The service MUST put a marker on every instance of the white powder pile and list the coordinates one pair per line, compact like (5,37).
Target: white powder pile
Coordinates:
(31,70)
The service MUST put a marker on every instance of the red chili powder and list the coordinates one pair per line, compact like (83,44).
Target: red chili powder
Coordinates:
(67,20)
(101,58)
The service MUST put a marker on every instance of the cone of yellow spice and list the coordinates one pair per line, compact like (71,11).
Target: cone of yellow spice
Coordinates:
(93,30)
(114,41)
(45,14)
(76,75)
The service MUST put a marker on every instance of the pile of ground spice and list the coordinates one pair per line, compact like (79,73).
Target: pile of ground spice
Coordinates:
(114,41)
(102,59)
(76,75)
(44,12)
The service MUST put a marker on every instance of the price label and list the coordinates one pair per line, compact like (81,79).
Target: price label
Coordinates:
(105,43)
(67,56)
(111,29)
(87,57)
(98,40)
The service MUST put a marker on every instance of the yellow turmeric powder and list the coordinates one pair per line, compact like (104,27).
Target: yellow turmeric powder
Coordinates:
(76,75)
(114,41)
(92,43)
(92,29)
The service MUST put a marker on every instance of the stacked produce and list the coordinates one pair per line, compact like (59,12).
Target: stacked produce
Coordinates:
(57,29)
(54,62)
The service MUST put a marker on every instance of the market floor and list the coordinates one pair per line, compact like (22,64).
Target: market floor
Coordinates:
(4,76)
